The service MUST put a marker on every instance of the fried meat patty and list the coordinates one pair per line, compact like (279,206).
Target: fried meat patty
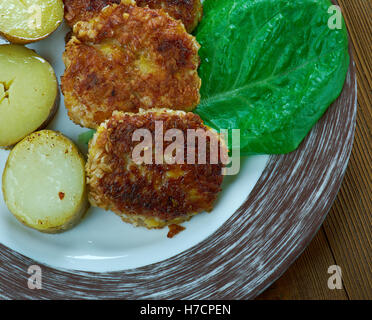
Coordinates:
(149,194)
(189,12)
(129,58)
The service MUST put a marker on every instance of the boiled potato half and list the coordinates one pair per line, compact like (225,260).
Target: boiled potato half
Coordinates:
(44,182)
(29,93)
(26,21)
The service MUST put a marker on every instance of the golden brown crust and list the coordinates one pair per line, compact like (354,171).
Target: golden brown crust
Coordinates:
(168,193)
(126,59)
(189,12)
(84,10)
(174,229)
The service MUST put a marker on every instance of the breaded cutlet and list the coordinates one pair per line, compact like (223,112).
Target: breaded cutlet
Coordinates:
(189,12)
(129,58)
(149,194)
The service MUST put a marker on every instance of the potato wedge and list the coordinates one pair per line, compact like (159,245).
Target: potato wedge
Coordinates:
(29,93)
(26,21)
(44,182)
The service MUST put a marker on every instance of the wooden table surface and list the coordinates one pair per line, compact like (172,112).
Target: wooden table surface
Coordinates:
(345,238)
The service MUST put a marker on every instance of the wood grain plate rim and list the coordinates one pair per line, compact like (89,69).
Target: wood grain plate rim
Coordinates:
(249,252)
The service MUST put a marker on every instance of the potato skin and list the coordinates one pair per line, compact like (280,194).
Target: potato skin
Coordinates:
(16,39)
(69,224)
(53,111)
(70,219)
(62,228)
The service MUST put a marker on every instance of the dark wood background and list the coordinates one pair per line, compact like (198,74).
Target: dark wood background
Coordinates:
(345,238)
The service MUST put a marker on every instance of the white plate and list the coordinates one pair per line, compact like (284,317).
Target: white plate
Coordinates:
(102,242)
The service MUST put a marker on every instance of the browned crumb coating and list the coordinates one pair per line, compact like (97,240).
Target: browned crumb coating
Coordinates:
(189,12)
(151,195)
(129,58)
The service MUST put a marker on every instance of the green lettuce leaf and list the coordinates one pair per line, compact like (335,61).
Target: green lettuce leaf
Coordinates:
(269,68)
(85,137)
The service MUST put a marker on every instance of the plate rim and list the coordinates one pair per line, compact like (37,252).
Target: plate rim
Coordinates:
(223,253)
